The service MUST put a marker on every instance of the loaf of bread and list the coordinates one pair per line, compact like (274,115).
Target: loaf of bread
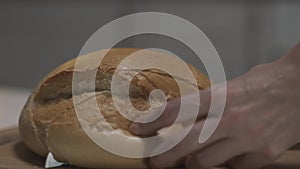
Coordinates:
(48,122)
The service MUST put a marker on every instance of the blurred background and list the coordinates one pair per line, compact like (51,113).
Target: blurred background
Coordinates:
(37,36)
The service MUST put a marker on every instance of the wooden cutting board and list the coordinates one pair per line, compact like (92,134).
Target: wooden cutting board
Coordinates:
(14,155)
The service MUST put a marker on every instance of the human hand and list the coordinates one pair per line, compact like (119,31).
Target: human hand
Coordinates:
(260,120)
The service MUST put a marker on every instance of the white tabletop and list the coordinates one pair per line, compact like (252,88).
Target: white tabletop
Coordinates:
(12,101)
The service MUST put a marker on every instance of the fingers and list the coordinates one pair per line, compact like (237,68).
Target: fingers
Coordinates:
(214,155)
(254,160)
(171,112)
(166,118)
(247,161)
(189,145)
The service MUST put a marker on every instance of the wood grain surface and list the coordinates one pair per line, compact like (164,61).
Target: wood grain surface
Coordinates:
(15,155)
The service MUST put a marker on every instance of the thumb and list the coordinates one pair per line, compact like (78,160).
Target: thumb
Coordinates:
(172,113)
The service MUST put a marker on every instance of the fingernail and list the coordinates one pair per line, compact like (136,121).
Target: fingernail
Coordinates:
(135,128)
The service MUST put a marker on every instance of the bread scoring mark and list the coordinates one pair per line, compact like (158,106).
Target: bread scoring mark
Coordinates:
(65,92)
(110,115)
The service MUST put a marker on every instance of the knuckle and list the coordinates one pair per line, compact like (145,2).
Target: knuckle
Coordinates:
(154,164)
(234,116)
(198,161)
(254,132)
(270,152)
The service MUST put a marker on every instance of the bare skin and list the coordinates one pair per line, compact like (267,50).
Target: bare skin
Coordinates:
(261,120)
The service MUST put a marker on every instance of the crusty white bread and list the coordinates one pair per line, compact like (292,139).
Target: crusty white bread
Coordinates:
(48,122)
